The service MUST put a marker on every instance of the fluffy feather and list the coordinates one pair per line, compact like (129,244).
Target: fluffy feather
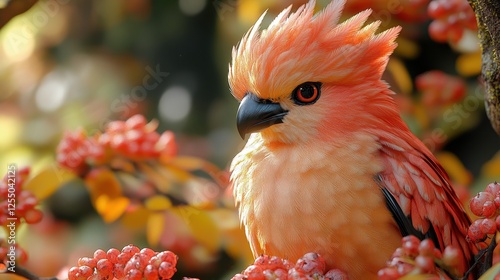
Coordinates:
(307,183)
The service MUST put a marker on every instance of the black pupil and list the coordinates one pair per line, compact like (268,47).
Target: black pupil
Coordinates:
(307,91)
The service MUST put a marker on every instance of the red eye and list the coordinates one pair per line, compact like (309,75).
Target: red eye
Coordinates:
(306,93)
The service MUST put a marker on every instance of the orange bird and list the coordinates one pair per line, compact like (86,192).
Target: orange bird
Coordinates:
(330,166)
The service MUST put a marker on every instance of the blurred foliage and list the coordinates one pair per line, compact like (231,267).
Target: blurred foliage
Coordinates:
(66,64)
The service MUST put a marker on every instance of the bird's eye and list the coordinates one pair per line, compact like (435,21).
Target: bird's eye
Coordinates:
(306,93)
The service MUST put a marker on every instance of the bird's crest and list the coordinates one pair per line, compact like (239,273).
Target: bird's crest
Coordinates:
(300,46)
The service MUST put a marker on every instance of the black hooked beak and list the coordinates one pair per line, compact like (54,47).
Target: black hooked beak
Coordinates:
(255,114)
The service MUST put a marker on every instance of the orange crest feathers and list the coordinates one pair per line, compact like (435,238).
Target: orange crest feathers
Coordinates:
(301,46)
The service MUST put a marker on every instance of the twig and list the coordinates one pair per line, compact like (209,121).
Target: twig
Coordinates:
(23,272)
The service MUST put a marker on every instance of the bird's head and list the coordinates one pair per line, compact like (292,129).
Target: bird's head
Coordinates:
(308,76)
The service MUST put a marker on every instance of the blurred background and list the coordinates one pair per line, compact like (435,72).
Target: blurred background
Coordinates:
(66,64)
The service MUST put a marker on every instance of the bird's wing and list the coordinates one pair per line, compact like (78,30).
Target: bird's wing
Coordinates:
(420,197)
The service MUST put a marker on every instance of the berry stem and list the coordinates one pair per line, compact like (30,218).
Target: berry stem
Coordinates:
(23,272)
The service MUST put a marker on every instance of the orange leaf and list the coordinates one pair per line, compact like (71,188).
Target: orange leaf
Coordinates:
(202,226)
(111,209)
(102,182)
(158,203)
(106,194)
(46,182)
(155,225)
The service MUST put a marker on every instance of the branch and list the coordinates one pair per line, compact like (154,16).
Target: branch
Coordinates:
(23,272)
(487,15)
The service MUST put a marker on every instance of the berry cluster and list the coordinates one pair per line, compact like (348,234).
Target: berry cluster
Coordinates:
(16,203)
(419,257)
(439,89)
(76,151)
(130,263)
(451,19)
(485,205)
(9,257)
(310,266)
(135,139)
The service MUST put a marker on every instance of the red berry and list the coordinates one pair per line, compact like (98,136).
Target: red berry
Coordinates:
(425,264)
(311,263)
(166,270)
(134,274)
(85,261)
(410,245)
(135,122)
(112,255)
(493,188)
(73,273)
(336,274)
(100,254)
(136,262)
(167,256)
(104,266)
(86,271)
(389,273)
(130,250)
(150,272)
(119,270)
(147,252)
(33,216)
(426,248)
(488,226)
(474,233)
(451,256)
(477,203)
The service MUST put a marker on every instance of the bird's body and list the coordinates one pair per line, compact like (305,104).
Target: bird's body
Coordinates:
(331,167)
(349,224)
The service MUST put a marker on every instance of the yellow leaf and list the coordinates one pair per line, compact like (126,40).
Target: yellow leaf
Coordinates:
(469,64)
(422,115)
(407,48)
(454,167)
(249,11)
(491,273)
(401,75)
(48,181)
(158,203)
(155,225)
(202,226)
(492,167)
(111,209)
(136,219)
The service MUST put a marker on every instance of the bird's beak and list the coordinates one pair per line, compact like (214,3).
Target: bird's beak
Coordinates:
(255,114)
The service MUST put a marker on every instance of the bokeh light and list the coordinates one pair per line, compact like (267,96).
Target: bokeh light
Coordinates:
(175,104)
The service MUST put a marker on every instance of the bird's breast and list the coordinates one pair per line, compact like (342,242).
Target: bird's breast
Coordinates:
(316,198)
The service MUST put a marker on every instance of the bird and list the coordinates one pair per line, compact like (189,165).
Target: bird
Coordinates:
(329,165)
